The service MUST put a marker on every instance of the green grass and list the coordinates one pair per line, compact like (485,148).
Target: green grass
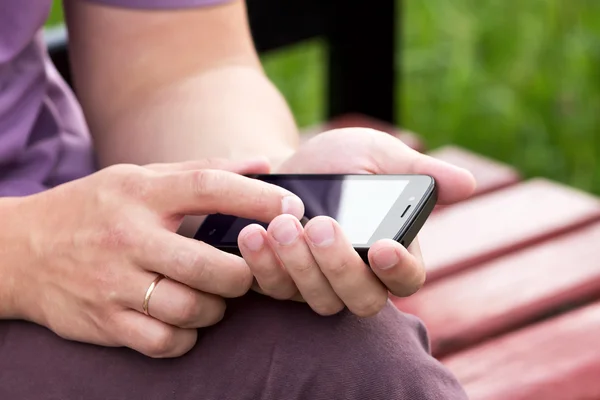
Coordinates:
(517,80)
(56,15)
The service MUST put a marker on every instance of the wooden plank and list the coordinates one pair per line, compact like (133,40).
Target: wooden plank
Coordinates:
(363,121)
(485,227)
(557,359)
(509,292)
(489,174)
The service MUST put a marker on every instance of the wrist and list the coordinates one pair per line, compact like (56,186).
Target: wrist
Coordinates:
(13,257)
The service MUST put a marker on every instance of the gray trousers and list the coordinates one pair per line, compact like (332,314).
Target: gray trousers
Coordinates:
(263,350)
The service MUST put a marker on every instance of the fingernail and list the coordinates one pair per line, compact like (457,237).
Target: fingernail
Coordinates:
(254,241)
(292,205)
(321,233)
(285,232)
(386,258)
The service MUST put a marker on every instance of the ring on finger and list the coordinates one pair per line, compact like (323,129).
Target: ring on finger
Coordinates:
(146,303)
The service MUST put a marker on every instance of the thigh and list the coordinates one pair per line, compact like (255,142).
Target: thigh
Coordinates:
(263,349)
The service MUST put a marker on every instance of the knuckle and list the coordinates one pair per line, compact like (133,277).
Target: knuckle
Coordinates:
(268,274)
(192,267)
(419,281)
(411,283)
(240,282)
(370,305)
(335,269)
(303,265)
(163,343)
(261,203)
(214,312)
(121,170)
(204,182)
(286,293)
(190,309)
(280,290)
(416,284)
(130,180)
(328,308)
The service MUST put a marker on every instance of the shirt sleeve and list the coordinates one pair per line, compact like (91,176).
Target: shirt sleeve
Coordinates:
(159,4)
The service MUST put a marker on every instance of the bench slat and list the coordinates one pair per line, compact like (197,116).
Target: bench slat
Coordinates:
(488,226)
(510,291)
(554,360)
(489,174)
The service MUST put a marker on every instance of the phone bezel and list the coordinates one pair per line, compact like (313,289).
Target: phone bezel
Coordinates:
(419,193)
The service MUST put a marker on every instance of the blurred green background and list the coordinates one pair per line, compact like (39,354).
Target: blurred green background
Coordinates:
(516,80)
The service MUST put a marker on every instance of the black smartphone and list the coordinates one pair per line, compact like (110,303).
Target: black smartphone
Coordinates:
(367,207)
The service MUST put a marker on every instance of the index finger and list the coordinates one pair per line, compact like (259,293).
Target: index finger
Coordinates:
(249,166)
(208,191)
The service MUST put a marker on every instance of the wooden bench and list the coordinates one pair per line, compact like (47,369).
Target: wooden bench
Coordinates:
(513,273)
(485,227)
(489,174)
(553,360)
(510,291)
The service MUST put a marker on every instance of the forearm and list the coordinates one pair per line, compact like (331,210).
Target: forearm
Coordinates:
(233,112)
(175,85)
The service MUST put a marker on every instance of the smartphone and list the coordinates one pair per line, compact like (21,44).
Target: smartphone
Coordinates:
(367,207)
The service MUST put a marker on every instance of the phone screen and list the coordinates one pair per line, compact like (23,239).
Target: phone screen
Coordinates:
(359,203)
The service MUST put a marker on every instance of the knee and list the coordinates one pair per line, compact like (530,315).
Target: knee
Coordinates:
(305,356)
(386,357)
(383,357)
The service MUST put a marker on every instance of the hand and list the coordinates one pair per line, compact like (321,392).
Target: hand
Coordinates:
(317,263)
(89,250)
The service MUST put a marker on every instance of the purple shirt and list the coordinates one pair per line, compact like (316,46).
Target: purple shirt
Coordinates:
(44,140)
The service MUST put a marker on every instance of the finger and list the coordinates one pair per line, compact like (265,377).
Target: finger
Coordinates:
(174,303)
(195,264)
(350,278)
(285,235)
(152,337)
(190,224)
(271,276)
(402,272)
(250,166)
(415,249)
(208,191)
(297,297)
(392,156)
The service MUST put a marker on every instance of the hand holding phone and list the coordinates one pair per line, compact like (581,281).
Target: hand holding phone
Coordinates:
(350,221)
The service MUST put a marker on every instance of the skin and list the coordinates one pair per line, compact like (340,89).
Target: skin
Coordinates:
(316,263)
(79,258)
(187,85)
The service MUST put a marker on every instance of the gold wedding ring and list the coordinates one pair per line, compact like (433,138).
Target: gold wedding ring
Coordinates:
(149,293)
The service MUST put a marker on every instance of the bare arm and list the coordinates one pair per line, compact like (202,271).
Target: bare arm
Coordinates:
(173,85)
